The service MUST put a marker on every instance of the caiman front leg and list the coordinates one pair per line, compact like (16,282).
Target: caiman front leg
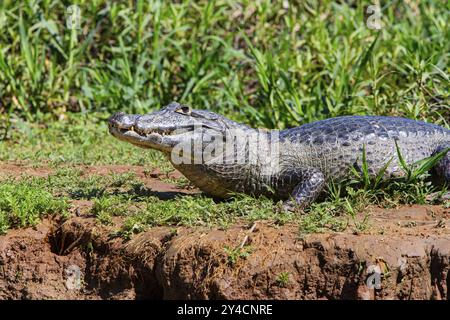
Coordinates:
(311,184)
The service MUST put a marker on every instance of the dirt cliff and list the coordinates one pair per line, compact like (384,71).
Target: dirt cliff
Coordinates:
(406,255)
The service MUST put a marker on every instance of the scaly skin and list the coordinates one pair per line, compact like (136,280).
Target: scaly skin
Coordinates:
(307,156)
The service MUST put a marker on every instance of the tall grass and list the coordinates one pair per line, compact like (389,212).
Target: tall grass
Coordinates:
(273,64)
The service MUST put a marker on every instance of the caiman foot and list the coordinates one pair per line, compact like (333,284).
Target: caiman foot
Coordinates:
(291,207)
(311,184)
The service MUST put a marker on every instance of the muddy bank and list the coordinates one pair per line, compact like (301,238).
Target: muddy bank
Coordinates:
(406,255)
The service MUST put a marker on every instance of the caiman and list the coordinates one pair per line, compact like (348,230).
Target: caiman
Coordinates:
(223,157)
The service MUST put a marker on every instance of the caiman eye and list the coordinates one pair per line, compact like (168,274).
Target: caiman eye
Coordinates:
(184,110)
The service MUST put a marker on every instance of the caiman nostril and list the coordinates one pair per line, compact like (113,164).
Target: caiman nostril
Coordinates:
(116,118)
(122,120)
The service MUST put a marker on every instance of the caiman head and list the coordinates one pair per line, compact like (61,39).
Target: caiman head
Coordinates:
(166,128)
(206,147)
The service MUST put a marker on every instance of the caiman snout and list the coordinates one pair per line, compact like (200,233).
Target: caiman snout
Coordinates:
(120,120)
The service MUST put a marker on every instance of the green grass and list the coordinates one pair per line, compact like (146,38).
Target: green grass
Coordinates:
(202,211)
(271,64)
(24,201)
(73,183)
(76,140)
(265,63)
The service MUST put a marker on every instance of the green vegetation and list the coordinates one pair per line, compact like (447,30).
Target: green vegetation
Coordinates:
(105,208)
(283,279)
(273,64)
(269,64)
(203,211)
(235,254)
(350,198)
(79,139)
(22,204)
(24,201)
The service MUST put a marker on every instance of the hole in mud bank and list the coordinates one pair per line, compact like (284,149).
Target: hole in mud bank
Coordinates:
(63,239)
(107,271)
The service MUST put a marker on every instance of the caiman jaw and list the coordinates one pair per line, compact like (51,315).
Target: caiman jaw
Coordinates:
(124,127)
(165,129)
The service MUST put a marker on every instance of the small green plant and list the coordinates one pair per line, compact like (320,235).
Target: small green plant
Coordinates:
(446,204)
(104,208)
(420,168)
(283,279)
(181,183)
(4,222)
(104,218)
(235,254)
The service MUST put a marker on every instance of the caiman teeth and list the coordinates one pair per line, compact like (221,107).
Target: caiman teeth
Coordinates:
(153,132)
(139,132)
(161,133)
(134,129)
